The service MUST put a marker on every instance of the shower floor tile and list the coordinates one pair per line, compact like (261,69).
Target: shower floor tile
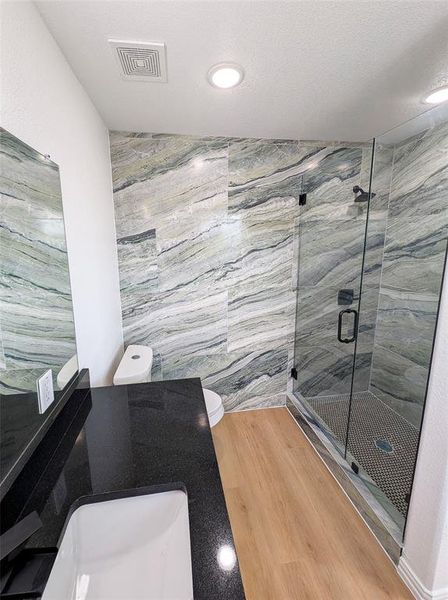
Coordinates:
(383,442)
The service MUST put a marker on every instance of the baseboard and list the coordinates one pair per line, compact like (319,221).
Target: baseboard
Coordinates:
(419,591)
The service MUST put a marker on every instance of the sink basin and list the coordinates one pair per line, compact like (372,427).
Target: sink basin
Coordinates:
(129,548)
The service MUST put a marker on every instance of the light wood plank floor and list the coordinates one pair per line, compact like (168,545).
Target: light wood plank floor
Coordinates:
(297,535)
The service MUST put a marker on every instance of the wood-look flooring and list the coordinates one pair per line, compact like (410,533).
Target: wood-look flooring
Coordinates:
(296,533)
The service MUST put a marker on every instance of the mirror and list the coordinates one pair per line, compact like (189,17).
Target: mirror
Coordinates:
(37,332)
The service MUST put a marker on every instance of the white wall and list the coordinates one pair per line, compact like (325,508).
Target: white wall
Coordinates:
(424,564)
(43,104)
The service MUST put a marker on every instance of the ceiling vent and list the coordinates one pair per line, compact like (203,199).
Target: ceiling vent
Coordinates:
(141,61)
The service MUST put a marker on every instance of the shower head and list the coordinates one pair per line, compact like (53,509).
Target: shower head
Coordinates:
(361,195)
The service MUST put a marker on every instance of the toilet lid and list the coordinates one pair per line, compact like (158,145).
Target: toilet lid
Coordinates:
(213,402)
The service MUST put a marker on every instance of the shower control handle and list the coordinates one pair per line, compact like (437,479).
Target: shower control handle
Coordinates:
(355,325)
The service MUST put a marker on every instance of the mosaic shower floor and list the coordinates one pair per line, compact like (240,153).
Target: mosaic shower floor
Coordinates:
(383,442)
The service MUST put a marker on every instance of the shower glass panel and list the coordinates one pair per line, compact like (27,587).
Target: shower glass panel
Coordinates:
(373,230)
(332,224)
(401,285)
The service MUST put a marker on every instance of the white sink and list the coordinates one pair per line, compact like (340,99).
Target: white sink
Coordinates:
(129,548)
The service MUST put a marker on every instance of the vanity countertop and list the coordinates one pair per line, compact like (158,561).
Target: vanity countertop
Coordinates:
(132,436)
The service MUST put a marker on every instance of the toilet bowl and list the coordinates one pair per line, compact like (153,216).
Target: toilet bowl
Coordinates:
(135,367)
(215,409)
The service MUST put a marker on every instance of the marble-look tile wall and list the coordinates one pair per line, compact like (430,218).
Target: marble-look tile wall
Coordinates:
(414,254)
(36,329)
(208,238)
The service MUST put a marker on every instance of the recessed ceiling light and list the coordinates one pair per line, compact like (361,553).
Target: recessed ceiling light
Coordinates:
(437,96)
(225,75)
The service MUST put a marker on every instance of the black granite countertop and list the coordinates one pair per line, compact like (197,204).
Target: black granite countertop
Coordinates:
(129,437)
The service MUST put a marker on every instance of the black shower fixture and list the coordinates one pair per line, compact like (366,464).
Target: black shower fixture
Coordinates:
(361,195)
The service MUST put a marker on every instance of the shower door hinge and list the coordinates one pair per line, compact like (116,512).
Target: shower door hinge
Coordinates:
(302,199)
(294,373)
(407,498)
(355,467)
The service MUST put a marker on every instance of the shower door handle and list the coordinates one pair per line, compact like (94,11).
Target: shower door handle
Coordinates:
(355,325)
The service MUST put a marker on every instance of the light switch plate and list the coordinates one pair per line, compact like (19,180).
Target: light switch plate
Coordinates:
(45,393)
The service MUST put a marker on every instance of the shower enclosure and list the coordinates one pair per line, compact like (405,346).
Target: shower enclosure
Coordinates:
(373,225)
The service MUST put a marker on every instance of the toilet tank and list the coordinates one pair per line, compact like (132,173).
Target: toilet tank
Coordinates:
(135,366)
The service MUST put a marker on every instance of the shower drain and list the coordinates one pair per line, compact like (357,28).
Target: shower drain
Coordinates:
(384,445)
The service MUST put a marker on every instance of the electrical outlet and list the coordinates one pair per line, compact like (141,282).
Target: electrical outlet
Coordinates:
(45,393)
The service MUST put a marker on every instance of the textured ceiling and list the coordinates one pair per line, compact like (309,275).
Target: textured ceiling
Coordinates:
(335,70)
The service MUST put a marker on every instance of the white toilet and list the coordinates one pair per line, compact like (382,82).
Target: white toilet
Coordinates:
(135,367)
(215,409)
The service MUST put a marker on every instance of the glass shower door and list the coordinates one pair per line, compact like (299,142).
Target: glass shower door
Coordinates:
(406,245)
(331,233)
(372,246)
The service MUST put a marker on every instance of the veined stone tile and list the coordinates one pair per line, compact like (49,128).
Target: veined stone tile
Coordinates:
(366,163)
(194,262)
(429,198)
(41,241)
(295,263)
(139,327)
(373,260)
(368,311)
(19,381)
(329,181)
(317,319)
(174,323)
(29,184)
(414,254)
(265,177)
(157,368)
(420,173)
(395,377)
(135,154)
(332,255)
(250,246)
(35,297)
(177,185)
(413,262)
(361,371)
(406,324)
(381,178)
(172,183)
(203,215)
(2,353)
(324,364)
(52,342)
(243,379)
(137,259)
(260,317)
(259,253)
(323,372)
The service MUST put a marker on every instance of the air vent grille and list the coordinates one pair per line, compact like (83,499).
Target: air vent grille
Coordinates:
(141,61)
